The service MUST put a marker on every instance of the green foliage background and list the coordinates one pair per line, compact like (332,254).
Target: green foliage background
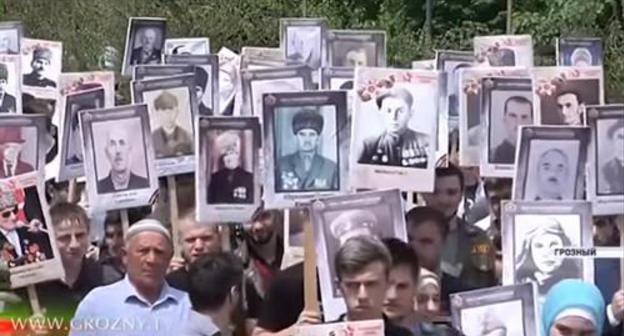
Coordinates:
(87,26)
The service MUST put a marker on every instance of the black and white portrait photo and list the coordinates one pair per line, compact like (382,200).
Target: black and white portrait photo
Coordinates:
(551,163)
(303,41)
(451,62)
(11,33)
(336,219)
(561,94)
(532,231)
(154,71)
(351,48)
(337,78)
(41,63)
(74,103)
(394,128)
(172,105)
(187,46)
(504,50)
(262,58)
(206,79)
(18,149)
(145,41)
(119,157)
(579,51)
(228,181)
(229,81)
(27,241)
(303,137)
(10,84)
(497,311)
(506,105)
(257,82)
(605,176)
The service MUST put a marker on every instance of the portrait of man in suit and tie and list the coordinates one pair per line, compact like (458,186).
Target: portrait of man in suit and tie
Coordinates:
(118,150)
(22,240)
(7,101)
(12,143)
(306,169)
(147,51)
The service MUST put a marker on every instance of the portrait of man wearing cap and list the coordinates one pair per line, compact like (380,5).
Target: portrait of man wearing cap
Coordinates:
(231,183)
(170,139)
(7,101)
(306,169)
(41,60)
(117,151)
(398,145)
(351,223)
(11,145)
(19,241)
(612,181)
(147,51)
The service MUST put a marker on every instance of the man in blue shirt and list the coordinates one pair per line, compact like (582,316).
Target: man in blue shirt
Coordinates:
(142,303)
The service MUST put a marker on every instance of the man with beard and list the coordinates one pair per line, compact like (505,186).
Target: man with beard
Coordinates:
(42,57)
(553,170)
(7,101)
(118,148)
(147,52)
(231,183)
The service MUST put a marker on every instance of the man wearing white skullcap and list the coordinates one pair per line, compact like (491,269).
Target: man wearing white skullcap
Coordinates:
(142,295)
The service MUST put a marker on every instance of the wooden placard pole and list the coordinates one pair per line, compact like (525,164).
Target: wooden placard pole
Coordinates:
(620,224)
(34,299)
(72,191)
(309,270)
(174,215)
(125,222)
(224,231)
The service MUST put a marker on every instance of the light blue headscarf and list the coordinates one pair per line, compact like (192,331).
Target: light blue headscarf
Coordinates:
(573,294)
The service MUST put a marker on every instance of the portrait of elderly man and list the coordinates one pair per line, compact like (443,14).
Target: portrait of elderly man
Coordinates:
(7,101)
(20,240)
(581,57)
(147,52)
(553,170)
(11,145)
(612,181)
(231,183)
(570,106)
(492,325)
(398,145)
(117,151)
(170,139)
(304,46)
(5,42)
(353,223)
(354,58)
(41,60)
(518,111)
(306,169)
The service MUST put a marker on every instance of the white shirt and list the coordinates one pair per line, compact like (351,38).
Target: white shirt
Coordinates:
(14,239)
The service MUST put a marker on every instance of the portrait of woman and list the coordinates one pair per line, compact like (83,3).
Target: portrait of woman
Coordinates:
(537,262)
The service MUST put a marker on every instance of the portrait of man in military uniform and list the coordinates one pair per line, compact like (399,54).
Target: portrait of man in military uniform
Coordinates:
(306,169)
(41,61)
(146,50)
(7,101)
(398,145)
(611,173)
(231,183)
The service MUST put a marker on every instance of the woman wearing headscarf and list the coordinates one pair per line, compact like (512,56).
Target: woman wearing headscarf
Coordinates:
(428,307)
(573,307)
(538,264)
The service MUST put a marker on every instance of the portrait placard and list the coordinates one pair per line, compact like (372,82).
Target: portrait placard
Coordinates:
(550,163)
(172,108)
(11,34)
(145,42)
(79,91)
(394,129)
(119,157)
(353,328)
(579,51)
(337,78)
(605,171)
(351,48)
(471,121)
(10,83)
(227,186)
(263,58)
(506,104)
(561,93)
(153,71)
(23,144)
(336,219)
(229,81)
(504,50)
(29,253)
(304,135)
(257,82)
(531,231)
(187,46)
(41,69)
(303,41)
(507,310)
(206,79)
